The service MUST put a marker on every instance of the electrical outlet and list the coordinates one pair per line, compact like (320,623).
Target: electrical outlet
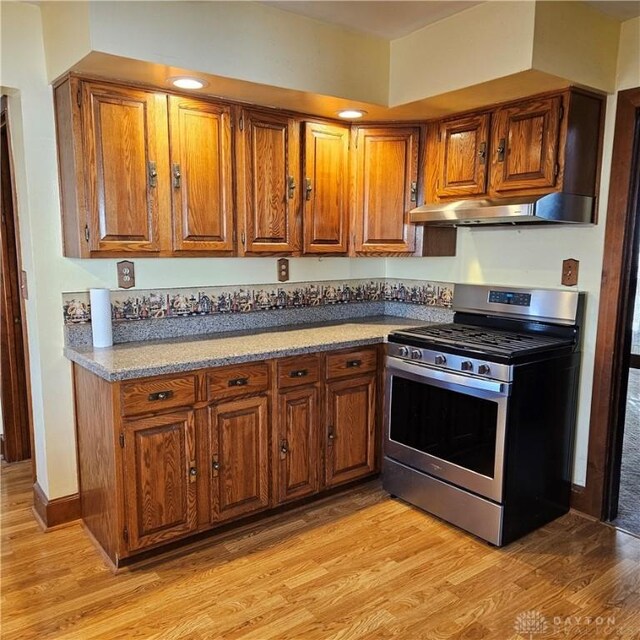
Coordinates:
(570,269)
(283,270)
(126,274)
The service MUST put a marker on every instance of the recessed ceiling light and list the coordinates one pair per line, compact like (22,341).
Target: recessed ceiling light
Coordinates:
(351,114)
(185,82)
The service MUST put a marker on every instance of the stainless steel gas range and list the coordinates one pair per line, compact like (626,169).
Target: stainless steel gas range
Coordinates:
(480,413)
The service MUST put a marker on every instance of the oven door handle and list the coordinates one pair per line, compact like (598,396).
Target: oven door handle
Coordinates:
(428,373)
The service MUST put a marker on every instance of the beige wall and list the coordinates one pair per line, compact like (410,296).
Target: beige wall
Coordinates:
(529,256)
(628,75)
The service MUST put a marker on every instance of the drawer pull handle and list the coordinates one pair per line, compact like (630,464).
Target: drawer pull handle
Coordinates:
(299,373)
(239,382)
(352,364)
(160,395)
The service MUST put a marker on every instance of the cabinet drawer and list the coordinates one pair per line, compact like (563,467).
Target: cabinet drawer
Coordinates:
(238,380)
(295,372)
(151,396)
(352,362)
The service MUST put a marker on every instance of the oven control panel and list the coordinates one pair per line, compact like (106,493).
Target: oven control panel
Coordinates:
(510,297)
(451,362)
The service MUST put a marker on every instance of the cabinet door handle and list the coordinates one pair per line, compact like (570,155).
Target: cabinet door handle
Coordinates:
(299,373)
(153,174)
(193,471)
(482,153)
(177,176)
(160,395)
(238,382)
(414,191)
(215,465)
(501,149)
(284,448)
(308,189)
(331,435)
(352,364)
(291,187)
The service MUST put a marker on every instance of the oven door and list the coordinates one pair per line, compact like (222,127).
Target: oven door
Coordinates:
(446,424)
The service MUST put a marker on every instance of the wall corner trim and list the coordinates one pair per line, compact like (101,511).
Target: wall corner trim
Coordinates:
(56,512)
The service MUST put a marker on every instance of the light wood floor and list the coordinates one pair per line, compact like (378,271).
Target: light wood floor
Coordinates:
(355,566)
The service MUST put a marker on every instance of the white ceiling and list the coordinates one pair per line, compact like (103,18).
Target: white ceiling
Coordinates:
(394,19)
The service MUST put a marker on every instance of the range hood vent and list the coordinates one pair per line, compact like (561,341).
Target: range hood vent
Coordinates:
(550,208)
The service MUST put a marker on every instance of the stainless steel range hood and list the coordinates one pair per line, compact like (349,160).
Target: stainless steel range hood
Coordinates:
(551,208)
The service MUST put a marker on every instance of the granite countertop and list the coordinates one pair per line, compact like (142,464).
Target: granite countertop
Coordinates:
(154,357)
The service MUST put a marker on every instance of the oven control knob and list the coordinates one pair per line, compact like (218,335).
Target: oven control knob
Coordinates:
(467,365)
(403,352)
(440,359)
(484,369)
(416,354)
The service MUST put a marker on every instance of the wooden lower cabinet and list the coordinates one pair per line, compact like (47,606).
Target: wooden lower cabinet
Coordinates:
(298,443)
(246,438)
(239,436)
(350,417)
(160,478)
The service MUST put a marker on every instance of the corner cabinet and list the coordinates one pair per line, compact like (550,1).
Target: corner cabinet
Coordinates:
(179,454)
(385,161)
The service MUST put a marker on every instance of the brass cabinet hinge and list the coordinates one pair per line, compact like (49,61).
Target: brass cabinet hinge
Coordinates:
(561,112)
(122,440)
(86,232)
(241,123)
(125,534)
(79,97)
(556,169)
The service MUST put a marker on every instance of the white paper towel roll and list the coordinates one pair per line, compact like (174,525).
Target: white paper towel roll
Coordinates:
(101,317)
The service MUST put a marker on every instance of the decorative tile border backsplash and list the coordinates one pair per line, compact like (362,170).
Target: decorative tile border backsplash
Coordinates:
(136,305)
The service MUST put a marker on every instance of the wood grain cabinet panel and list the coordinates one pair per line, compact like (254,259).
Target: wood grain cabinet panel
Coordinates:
(268,180)
(525,144)
(239,457)
(298,443)
(326,188)
(386,170)
(350,431)
(298,371)
(237,380)
(201,175)
(462,158)
(121,155)
(160,478)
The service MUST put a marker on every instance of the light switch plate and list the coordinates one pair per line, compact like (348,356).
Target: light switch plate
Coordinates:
(283,270)
(126,274)
(570,268)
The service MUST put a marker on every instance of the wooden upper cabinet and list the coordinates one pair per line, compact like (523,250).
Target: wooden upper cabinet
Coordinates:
(160,474)
(268,178)
(122,156)
(386,170)
(239,457)
(462,157)
(325,188)
(201,175)
(525,146)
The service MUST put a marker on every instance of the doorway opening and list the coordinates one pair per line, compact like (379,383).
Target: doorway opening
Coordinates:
(15,436)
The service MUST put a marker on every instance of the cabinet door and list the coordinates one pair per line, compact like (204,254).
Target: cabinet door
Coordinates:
(268,183)
(525,146)
(386,189)
(326,188)
(350,415)
(462,156)
(201,162)
(160,478)
(239,457)
(121,152)
(298,443)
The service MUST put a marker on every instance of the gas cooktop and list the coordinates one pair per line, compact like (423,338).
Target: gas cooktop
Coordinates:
(481,339)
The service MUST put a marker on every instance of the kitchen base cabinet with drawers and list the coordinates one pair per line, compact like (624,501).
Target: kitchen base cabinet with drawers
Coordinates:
(163,458)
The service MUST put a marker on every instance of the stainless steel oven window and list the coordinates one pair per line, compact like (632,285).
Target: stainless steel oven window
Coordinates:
(435,410)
